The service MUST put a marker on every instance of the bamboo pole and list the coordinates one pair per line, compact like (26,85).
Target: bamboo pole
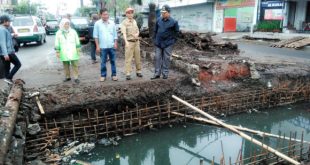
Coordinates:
(260,133)
(247,137)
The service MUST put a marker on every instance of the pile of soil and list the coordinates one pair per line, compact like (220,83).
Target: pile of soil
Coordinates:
(195,44)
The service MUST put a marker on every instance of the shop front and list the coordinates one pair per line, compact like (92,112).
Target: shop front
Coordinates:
(297,16)
(234,15)
(271,16)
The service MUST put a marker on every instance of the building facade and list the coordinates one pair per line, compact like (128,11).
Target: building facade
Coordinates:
(192,15)
(239,15)
(5,6)
(296,15)
(235,15)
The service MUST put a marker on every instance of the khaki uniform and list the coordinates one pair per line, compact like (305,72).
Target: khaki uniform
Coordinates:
(129,28)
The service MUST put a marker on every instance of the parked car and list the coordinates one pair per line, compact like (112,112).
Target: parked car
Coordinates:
(51,26)
(80,24)
(29,29)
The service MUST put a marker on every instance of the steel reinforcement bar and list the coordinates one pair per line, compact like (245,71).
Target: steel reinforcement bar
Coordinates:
(93,123)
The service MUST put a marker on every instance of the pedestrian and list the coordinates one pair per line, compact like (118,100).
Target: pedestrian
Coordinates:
(91,38)
(165,35)
(7,52)
(67,46)
(130,31)
(14,40)
(106,43)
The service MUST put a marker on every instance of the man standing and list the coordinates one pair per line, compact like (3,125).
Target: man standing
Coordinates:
(130,32)
(92,40)
(105,36)
(165,33)
(7,53)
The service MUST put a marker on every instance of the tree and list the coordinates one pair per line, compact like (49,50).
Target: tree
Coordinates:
(152,18)
(116,7)
(26,7)
(85,11)
(138,2)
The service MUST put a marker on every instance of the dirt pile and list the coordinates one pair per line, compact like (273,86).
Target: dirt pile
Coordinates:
(192,43)
(205,42)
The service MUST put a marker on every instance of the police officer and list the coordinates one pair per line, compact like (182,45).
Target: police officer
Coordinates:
(130,33)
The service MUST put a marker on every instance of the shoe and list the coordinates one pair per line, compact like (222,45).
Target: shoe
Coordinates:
(165,77)
(77,81)
(94,62)
(128,77)
(102,79)
(155,77)
(67,79)
(114,78)
(139,75)
(9,81)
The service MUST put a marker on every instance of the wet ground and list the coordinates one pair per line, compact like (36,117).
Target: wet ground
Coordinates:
(188,143)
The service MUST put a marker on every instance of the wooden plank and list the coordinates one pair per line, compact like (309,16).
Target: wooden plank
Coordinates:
(282,43)
(299,44)
(40,105)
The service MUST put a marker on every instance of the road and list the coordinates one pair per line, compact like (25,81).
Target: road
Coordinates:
(40,67)
(265,54)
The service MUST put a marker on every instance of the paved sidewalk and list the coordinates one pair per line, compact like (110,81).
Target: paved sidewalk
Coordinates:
(260,35)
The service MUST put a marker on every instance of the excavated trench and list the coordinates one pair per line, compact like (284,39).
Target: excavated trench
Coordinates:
(220,85)
(137,110)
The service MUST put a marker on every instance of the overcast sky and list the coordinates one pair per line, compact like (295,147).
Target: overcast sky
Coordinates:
(52,4)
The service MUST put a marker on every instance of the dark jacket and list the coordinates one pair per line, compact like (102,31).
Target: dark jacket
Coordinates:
(90,30)
(166,31)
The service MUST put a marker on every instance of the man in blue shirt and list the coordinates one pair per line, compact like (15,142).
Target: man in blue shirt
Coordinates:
(7,52)
(105,36)
(165,34)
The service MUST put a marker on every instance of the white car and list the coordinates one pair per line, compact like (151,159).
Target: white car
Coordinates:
(29,29)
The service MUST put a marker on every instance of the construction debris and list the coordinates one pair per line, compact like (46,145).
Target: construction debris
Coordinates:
(204,41)
(296,43)
(84,147)
(33,129)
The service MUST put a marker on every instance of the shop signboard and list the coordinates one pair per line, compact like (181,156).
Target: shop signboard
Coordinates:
(273,14)
(272,4)
(220,4)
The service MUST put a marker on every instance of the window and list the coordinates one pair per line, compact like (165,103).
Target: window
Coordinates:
(23,21)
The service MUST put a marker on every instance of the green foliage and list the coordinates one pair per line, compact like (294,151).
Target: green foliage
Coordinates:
(85,11)
(26,7)
(269,26)
(138,2)
(121,5)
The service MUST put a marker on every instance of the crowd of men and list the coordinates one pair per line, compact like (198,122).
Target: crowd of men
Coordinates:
(103,41)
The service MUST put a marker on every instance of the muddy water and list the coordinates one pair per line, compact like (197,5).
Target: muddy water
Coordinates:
(189,143)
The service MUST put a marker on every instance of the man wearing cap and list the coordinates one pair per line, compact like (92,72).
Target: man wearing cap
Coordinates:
(130,33)
(165,34)
(7,52)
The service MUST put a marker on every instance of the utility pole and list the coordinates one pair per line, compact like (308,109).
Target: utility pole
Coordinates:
(115,10)
(81,3)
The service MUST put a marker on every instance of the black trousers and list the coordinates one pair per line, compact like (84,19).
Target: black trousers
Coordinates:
(8,73)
